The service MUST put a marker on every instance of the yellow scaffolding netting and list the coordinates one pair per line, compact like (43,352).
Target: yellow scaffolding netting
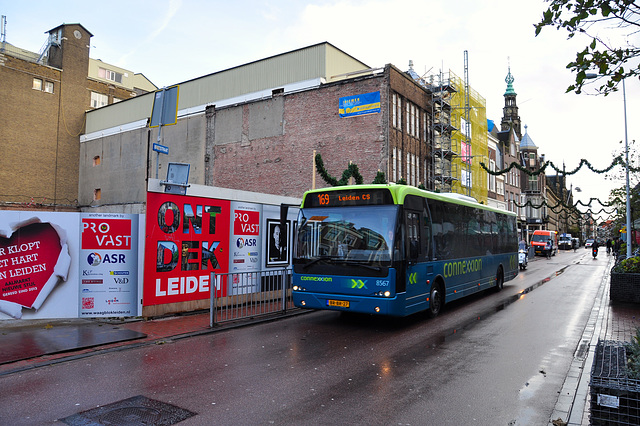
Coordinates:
(466,164)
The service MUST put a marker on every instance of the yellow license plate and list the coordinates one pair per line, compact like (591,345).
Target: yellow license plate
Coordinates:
(338,303)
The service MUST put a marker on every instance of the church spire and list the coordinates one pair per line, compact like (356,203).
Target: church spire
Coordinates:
(510,117)
(509,81)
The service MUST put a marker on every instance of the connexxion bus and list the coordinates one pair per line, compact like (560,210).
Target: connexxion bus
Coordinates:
(396,250)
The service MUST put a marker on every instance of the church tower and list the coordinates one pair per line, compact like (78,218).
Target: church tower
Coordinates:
(510,117)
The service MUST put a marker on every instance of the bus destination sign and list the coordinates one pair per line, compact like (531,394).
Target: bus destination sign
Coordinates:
(349,197)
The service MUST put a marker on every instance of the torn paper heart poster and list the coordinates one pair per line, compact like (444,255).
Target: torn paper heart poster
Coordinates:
(34,259)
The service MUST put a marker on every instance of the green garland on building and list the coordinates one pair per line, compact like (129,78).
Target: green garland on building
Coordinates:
(351,171)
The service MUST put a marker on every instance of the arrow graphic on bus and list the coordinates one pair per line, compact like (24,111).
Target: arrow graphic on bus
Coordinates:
(413,278)
(357,284)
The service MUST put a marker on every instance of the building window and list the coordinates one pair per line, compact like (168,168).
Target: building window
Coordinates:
(424,126)
(394,169)
(414,170)
(413,120)
(110,75)
(98,100)
(116,100)
(408,170)
(97,194)
(395,105)
(96,160)
(37,84)
(492,177)
(48,87)
(399,113)
(407,118)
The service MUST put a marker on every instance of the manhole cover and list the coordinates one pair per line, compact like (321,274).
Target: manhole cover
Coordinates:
(138,410)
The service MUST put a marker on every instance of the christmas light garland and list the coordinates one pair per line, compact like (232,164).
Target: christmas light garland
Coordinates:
(561,206)
(616,161)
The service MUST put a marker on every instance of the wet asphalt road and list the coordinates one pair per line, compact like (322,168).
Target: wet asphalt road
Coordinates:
(493,359)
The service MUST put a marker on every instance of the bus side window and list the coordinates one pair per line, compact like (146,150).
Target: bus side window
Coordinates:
(437,229)
(426,234)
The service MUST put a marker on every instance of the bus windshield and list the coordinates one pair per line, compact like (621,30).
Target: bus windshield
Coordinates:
(346,234)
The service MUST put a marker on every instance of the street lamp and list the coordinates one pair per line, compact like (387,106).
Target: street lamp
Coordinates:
(626,152)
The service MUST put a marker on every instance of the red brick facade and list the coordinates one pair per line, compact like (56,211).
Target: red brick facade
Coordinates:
(283,163)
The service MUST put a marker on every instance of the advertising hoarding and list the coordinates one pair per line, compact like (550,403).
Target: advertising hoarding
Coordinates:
(109,265)
(38,260)
(187,238)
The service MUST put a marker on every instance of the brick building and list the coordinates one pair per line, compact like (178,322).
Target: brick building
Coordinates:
(279,158)
(257,127)
(43,100)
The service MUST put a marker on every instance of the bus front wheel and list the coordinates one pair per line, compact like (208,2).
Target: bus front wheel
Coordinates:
(436,300)
(499,279)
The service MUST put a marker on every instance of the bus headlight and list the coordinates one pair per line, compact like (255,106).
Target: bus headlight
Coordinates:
(296,288)
(387,293)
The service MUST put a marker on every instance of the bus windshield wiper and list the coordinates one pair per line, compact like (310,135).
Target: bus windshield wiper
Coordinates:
(318,259)
(363,263)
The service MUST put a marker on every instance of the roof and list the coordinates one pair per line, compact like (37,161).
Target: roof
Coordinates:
(67,25)
(527,142)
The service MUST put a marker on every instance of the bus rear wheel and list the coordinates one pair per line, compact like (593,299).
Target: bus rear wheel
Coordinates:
(499,279)
(436,300)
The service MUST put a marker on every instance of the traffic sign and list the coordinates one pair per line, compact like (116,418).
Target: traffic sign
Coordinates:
(160,148)
(165,107)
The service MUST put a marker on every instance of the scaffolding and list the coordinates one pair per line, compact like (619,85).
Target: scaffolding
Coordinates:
(444,172)
(459,136)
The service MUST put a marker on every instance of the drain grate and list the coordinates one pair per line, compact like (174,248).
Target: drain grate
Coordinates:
(138,410)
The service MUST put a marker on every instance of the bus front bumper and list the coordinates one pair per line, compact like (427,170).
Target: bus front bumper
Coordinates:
(346,303)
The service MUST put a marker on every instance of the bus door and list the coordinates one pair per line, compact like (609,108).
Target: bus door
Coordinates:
(418,246)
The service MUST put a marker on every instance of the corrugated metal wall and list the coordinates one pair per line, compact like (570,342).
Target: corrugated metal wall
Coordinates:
(318,61)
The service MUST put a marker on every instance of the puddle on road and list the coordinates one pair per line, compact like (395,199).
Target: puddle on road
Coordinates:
(455,333)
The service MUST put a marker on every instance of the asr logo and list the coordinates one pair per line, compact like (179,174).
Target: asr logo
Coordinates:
(359,284)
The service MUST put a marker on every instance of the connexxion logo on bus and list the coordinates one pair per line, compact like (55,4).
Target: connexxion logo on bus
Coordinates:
(451,269)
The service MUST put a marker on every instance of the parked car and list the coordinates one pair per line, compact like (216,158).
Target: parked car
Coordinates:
(589,243)
(545,243)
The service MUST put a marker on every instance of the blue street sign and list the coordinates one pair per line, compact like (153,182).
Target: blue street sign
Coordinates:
(160,148)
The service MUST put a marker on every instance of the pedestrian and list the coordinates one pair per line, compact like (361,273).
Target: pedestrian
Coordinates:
(608,245)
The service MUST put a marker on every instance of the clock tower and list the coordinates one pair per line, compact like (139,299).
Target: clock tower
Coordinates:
(510,117)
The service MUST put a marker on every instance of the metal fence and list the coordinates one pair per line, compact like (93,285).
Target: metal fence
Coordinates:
(242,295)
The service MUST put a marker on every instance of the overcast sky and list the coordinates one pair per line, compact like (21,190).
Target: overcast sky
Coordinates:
(171,41)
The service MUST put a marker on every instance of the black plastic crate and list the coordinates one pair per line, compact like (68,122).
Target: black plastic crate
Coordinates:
(615,398)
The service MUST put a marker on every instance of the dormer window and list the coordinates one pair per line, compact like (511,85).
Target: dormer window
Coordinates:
(110,75)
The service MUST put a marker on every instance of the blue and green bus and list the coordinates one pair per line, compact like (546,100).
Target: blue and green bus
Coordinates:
(397,250)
